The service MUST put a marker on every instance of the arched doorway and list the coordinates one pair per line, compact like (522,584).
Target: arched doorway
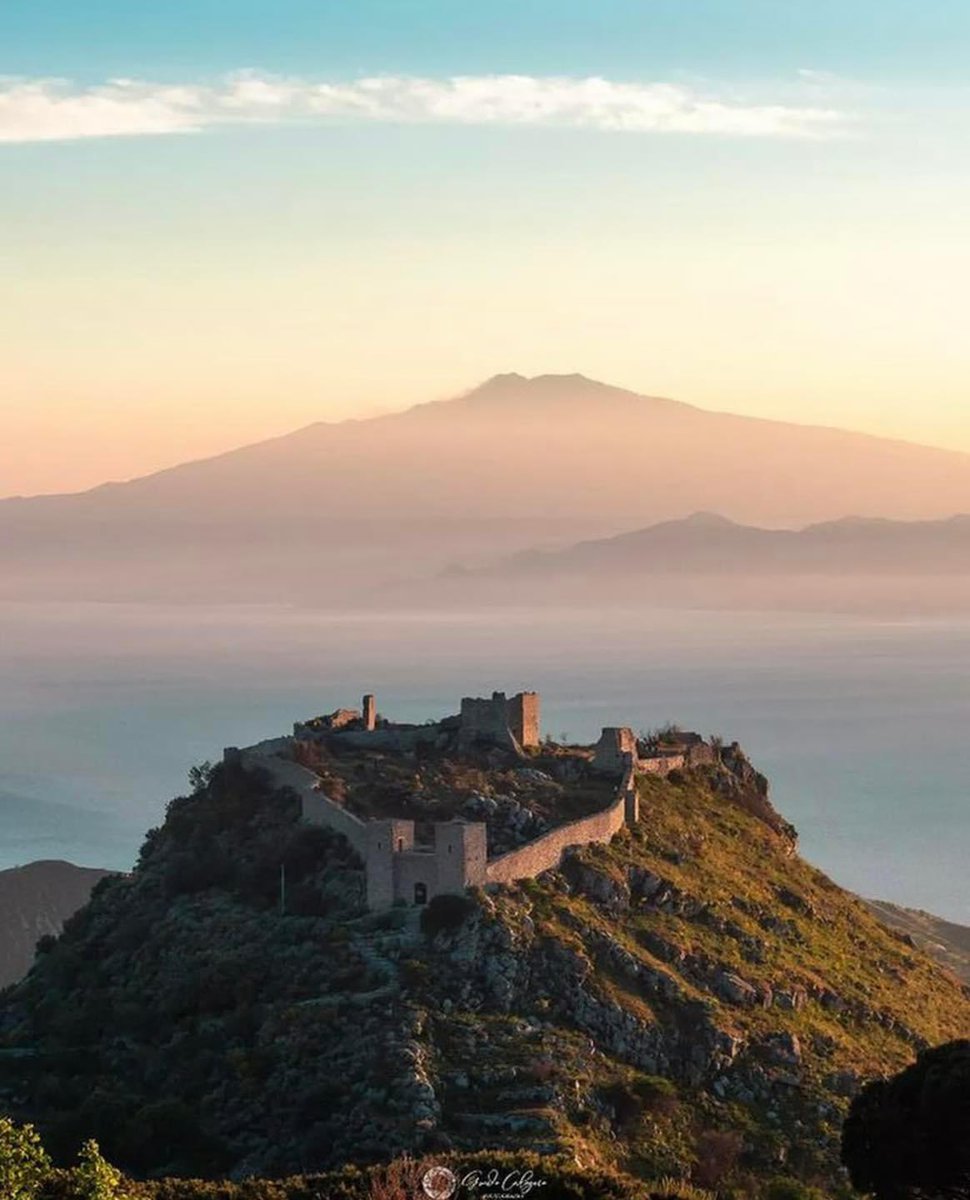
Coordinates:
(420,893)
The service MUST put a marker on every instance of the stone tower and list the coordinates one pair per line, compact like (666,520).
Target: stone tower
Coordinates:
(370,712)
(461,853)
(385,840)
(523,713)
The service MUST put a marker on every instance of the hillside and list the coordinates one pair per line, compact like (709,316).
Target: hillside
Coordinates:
(708,560)
(945,941)
(691,1000)
(35,901)
(327,510)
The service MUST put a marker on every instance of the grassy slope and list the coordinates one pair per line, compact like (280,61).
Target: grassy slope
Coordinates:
(190,1027)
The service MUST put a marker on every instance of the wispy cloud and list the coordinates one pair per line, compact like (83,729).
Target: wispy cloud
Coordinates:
(34,110)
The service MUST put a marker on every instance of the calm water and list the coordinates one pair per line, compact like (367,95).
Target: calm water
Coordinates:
(861,726)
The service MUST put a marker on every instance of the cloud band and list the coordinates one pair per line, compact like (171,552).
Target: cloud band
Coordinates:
(55,110)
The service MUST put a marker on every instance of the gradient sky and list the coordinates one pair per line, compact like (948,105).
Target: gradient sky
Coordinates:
(313,209)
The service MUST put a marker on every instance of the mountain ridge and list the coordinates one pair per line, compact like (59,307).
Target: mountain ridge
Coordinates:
(338,509)
(486,392)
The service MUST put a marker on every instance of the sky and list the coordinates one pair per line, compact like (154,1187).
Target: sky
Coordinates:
(224,219)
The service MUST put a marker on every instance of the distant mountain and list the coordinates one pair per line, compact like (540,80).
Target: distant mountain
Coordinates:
(36,900)
(706,542)
(330,509)
(711,561)
(946,941)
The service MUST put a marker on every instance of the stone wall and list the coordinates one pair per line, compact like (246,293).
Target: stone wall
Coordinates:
(546,852)
(315,806)
(662,764)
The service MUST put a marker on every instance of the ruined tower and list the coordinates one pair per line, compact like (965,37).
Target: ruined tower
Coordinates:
(513,723)
(369,710)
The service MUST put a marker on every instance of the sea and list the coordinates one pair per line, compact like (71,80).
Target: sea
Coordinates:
(862,725)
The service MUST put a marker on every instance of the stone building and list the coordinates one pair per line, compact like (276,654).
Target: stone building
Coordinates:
(399,870)
(508,722)
(613,751)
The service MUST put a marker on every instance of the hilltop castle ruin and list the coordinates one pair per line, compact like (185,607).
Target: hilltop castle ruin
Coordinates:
(398,868)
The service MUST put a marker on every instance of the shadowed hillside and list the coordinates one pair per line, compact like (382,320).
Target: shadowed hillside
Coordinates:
(692,1000)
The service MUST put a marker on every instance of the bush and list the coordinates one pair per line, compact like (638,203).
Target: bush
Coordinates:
(24,1164)
(446,913)
(717,1152)
(95,1178)
(782,1187)
(910,1135)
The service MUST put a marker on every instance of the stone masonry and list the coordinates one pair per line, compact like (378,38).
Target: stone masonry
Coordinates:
(398,869)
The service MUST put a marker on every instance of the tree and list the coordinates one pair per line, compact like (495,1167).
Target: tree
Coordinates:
(200,776)
(24,1164)
(94,1178)
(910,1135)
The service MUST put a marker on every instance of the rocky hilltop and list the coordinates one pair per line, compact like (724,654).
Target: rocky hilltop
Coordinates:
(690,1000)
(35,901)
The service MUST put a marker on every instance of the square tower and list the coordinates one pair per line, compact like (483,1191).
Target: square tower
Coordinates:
(523,717)
(384,840)
(461,852)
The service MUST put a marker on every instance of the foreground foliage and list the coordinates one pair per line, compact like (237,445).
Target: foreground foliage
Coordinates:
(910,1135)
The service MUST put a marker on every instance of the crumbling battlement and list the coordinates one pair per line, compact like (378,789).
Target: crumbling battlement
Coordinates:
(513,723)
(400,870)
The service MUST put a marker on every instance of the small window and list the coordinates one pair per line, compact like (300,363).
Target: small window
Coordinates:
(400,845)
(420,893)
(449,847)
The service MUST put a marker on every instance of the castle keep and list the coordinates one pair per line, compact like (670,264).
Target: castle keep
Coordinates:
(400,868)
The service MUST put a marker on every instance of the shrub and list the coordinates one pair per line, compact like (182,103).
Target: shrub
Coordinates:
(94,1177)
(446,913)
(24,1164)
(910,1135)
(717,1151)
(782,1187)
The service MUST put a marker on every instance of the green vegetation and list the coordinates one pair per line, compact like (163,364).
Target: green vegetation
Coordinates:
(910,1136)
(446,912)
(685,1011)
(23,1161)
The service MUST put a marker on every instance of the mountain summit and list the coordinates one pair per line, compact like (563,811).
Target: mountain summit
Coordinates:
(513,463)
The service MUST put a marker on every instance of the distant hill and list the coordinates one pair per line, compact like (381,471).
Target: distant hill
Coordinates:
(36,900)
(328,510)
(711,561)
(946,941)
